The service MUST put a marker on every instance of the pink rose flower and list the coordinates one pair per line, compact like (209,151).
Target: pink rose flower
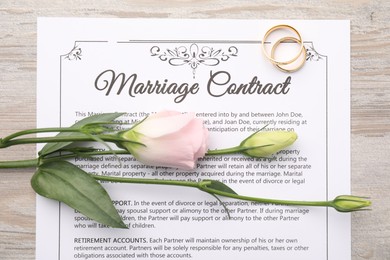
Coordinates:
(168,138)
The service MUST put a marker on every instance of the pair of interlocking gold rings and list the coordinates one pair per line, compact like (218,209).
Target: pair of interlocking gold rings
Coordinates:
(293,64)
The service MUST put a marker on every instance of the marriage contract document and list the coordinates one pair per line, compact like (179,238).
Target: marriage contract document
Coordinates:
(216,69)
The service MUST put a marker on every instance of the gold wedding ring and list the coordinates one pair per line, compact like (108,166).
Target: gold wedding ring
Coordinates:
(281,64)
(300,62)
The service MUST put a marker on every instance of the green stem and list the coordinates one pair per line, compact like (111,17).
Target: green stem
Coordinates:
(236,149)
(39,130)
(20,163)
(36,162)
(266,200)
(202,185)
(231,150)
(147,181)
(84,154)
(81,138)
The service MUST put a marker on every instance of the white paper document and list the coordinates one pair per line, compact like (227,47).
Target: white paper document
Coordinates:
(215,68)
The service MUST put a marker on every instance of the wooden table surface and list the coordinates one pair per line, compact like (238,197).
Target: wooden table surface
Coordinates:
(370,98)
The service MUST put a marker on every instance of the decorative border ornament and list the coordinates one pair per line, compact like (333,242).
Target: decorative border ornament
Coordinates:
(311,53)
(194,55)
(74,54)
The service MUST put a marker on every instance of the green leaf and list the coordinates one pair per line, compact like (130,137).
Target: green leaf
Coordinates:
(65,182)
(104,118)
(217,185)
(213,187)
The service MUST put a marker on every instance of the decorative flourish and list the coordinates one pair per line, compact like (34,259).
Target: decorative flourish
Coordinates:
(194,55)
(74,54)
(312,54)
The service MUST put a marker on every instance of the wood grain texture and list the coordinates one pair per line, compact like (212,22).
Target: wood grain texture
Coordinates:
(370,98)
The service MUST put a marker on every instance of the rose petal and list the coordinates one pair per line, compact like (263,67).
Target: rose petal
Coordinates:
(170,139)
(168,151)
(160,126)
